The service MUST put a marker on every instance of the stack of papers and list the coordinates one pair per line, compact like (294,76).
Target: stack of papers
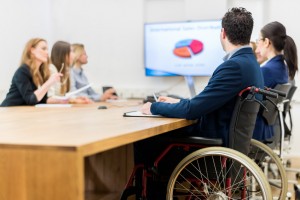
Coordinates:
(73,93)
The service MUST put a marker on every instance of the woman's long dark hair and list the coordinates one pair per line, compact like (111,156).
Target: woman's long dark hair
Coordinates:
(60,57)
(276,33)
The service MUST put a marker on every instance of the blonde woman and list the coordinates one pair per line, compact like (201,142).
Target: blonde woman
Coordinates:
(261,60)
(79,79)
(32,79)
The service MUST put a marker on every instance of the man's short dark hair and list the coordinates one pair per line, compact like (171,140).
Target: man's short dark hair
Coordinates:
(238,26)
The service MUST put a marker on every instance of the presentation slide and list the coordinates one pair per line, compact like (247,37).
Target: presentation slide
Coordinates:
(185,48)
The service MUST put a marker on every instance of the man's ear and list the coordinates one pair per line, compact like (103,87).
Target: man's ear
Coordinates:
(223,33)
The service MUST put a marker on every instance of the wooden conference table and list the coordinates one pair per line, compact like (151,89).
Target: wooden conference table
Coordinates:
(75,153)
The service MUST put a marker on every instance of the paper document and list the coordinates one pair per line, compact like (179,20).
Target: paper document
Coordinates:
(139,114)
(45,105)
(116,100)
(70,94)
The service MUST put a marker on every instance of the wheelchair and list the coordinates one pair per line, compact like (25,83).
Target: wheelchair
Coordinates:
(208,170)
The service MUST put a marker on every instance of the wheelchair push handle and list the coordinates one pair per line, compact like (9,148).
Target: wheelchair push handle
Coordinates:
(267,93)
(254,90)
(280,93)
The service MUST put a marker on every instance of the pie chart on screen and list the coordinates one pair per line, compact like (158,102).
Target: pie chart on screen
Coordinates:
(188,48)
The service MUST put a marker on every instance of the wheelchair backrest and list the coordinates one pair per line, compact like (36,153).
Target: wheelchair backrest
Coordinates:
(243,123)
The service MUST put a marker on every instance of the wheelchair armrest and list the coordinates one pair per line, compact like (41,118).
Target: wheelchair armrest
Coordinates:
(198,140)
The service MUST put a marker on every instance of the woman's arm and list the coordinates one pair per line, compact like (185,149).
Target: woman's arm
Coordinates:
(41,91)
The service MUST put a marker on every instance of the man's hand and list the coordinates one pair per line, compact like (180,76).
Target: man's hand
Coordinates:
(168,99)
(146,108)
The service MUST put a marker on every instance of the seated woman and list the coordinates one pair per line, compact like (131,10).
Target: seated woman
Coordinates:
(261,60)
(32,79)
(79,79)
(61,59)
(281,66)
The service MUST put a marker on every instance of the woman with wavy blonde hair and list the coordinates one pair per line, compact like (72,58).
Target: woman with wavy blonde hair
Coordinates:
(32,79)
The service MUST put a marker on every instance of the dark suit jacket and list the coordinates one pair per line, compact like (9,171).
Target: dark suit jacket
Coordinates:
(22,89)
(274,72)
(214,105)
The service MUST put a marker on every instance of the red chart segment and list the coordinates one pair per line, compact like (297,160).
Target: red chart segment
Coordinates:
(187,48)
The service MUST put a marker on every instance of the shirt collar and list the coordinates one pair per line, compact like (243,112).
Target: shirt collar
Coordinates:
(229,54)
(277,57)
(77,70)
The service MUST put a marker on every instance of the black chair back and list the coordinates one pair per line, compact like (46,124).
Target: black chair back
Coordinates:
(287,106)
(287,113)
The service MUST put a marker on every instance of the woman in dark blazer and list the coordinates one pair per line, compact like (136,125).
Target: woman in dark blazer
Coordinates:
(280,67)
(32,79)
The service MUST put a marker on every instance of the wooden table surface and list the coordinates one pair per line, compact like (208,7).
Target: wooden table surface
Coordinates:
(42,150)
(82,127)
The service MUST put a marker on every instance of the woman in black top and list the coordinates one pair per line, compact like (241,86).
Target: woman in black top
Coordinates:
(32,79)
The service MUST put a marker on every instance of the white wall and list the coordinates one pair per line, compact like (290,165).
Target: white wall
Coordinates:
(112,31)
(19,21)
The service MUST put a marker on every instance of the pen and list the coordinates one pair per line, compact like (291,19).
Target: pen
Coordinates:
(62,67)
(155,97)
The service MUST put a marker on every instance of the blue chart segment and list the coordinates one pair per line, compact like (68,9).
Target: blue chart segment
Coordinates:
(187,48)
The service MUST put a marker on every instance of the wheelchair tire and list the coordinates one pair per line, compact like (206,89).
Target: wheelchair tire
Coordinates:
(203,174)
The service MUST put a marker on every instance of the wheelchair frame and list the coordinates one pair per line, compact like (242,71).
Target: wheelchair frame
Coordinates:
(248,105)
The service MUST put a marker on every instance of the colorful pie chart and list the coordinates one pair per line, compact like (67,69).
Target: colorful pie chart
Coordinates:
(187,48)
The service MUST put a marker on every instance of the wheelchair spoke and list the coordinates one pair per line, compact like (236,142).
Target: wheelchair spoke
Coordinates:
(212,176)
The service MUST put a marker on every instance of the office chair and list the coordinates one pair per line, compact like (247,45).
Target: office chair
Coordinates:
(274,115)
(210,171)
(262,152)
(287,115)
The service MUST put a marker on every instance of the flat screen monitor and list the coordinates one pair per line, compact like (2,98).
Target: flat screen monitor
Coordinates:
(190,48)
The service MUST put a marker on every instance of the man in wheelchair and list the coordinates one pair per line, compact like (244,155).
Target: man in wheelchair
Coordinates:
(213,107)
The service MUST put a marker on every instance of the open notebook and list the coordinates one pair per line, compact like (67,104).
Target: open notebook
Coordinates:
(73,93)
(138,114)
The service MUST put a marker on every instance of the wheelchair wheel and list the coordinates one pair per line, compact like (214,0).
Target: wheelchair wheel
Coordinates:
(272,166)
(217,173)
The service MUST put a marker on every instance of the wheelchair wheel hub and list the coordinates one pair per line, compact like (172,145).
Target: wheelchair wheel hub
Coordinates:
(217,196)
